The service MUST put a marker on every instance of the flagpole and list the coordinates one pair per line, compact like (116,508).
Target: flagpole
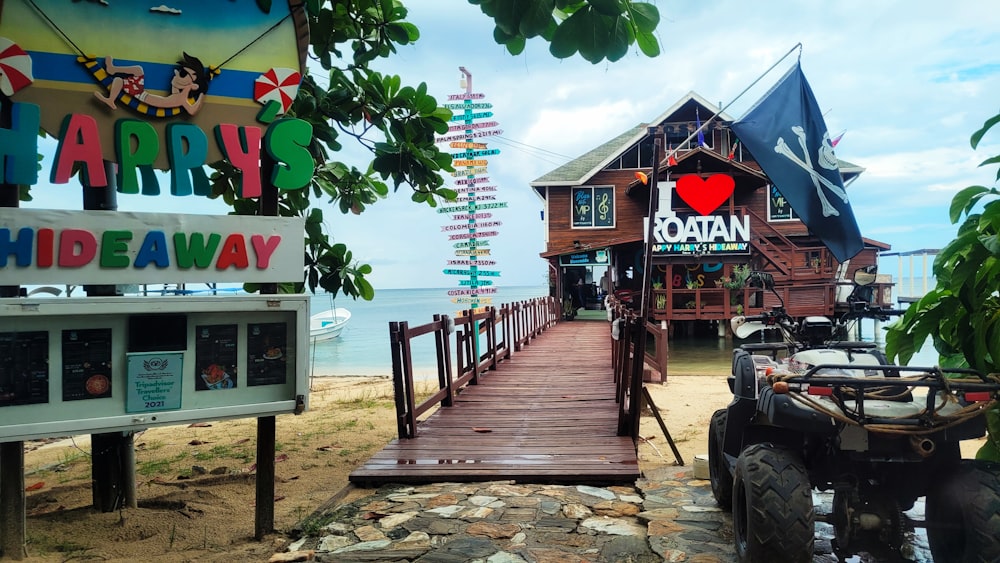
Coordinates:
(647,261)
(673,152)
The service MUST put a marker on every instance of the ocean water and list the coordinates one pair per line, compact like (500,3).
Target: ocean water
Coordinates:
(363,347)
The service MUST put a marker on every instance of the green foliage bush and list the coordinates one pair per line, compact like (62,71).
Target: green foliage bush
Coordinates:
(962,313)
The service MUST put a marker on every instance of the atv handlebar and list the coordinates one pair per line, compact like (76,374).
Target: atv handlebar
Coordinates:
(863,310)
(770,318)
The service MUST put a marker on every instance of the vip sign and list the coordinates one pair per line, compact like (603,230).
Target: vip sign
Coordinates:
(704,233)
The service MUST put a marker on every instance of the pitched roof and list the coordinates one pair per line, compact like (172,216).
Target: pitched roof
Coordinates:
(577,171)
(580,169)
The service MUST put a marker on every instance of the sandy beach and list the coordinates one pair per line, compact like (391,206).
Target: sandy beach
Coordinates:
(196,483)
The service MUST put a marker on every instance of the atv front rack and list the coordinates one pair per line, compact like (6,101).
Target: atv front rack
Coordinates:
(953,395)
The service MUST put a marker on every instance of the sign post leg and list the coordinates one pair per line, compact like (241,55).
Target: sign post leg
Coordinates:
(264,510)
(12,502)
(112,462)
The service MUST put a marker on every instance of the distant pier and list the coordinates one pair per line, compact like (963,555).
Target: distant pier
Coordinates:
(919,273)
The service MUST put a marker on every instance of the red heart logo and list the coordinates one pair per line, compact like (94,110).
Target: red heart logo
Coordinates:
(705,196)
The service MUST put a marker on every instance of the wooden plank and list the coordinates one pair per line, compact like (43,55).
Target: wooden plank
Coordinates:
(551,416)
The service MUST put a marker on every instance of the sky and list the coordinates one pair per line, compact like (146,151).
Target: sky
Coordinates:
(908,82)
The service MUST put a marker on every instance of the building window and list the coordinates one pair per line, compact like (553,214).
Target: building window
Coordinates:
(593,207)
(639,155)
(778,208)
(674,134)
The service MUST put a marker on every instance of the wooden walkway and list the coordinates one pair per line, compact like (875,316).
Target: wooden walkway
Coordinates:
(546,415)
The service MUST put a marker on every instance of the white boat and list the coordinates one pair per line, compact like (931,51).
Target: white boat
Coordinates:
(328,324)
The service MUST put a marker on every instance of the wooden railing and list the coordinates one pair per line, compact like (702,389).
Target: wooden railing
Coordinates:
(627,361)
(463,359)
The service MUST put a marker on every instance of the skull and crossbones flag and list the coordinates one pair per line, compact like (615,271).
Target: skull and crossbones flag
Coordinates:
(786,134)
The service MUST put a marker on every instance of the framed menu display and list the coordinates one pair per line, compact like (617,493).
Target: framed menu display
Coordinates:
(24,368)
(215,356)
(86,355)
(267,353)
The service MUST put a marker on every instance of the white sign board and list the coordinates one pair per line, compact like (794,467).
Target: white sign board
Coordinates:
(102,364)
(46,246)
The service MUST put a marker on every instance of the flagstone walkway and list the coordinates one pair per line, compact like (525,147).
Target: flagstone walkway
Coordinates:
(667,516)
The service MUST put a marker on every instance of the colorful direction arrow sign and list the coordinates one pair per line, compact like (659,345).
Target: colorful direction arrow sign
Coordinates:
(466,96)
(472,244)
(464,208)
(479,283)
(469,105)
(476,134)
(474,235)
(471,153)
(465,216)
(484,273)
(471,116)
(477,262)
(469,172)
(472,252)
(482,290)
(479,300)
(475,192)
(467,126)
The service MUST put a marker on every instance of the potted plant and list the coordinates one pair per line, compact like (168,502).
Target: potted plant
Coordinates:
(661,299)
(736,282)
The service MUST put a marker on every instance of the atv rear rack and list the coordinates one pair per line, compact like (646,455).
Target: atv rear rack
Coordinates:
(967,394)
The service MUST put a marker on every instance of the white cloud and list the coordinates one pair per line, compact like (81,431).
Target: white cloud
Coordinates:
(908,81)
(163,8)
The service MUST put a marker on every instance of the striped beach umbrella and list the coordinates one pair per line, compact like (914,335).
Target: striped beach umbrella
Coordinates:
(15,67)
(278,84)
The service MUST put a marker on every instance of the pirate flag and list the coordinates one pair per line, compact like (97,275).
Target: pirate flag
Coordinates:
(786,134)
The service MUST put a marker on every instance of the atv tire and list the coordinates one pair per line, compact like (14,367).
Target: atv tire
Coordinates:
(773,517)
(963,514)
(718,468)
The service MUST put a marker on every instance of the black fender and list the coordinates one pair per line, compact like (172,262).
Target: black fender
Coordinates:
(743,408)
(782,411)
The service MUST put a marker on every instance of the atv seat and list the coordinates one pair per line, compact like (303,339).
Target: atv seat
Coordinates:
(854,344)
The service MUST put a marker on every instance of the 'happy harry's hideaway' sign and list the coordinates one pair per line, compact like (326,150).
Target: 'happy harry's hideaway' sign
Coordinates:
(107,247)
(168,87)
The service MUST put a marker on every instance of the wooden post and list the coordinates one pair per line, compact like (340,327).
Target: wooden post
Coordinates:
(635,395)
(12,500)
(112,463)
(264,510)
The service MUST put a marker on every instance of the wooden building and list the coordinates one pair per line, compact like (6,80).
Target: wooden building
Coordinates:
(717,216)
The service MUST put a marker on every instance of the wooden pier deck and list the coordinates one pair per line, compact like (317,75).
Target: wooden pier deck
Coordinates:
(546,415)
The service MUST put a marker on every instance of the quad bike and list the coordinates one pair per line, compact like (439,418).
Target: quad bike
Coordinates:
(817,412)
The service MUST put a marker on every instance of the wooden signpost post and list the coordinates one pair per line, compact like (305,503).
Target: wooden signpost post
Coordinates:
(472,185)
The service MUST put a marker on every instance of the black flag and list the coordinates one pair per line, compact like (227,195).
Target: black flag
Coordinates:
(786,134)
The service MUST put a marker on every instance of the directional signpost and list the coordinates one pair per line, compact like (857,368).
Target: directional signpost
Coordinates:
(472,226)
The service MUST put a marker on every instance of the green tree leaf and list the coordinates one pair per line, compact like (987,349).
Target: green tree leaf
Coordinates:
(963,201)
(646,17)
(978,135)
(608,7)
(397,123)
